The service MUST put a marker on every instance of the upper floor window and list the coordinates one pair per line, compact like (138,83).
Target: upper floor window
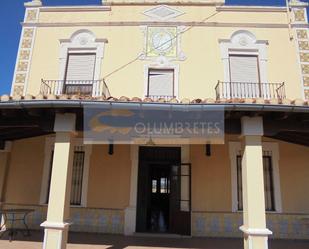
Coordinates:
(79,73)
(161,83)
(244,68)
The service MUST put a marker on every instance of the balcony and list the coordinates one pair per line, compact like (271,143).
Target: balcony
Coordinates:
(157,97)
(231,90)
(93,88)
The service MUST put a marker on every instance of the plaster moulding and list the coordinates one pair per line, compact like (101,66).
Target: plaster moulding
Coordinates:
(162,13)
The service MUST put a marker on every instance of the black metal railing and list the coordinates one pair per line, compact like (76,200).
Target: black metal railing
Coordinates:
(75,87)
(157,97)
(230,90)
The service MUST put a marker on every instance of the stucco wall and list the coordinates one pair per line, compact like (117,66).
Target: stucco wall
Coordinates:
(200,71)
(109,177)
(25,171)
(294,177)
(211,179)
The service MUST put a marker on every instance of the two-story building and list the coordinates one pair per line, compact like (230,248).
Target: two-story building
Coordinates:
(249,64)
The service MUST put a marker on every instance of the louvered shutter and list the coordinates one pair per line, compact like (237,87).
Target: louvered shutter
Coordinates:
(161,83)
(80,67)
(244,69)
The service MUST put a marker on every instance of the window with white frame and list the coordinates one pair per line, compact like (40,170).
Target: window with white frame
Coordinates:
(272,190)
(80,64)
(245,67)
(80,168)
(268,182)
(77,176)
(161,83)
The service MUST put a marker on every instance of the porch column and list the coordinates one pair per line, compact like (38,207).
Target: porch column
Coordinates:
(254,227)
(57,225)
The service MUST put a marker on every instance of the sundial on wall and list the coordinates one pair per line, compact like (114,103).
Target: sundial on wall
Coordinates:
(161,41)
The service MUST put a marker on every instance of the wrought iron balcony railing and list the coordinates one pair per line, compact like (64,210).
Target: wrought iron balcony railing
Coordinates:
(156,97)
(230,90)
(75,87)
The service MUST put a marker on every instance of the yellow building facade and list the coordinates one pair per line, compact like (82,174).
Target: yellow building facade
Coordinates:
(252,61)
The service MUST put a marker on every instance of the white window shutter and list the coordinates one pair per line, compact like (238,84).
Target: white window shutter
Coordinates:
(80,67)
(244,69)
(161,82)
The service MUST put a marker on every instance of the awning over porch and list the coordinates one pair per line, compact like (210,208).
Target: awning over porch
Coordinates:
(28,118)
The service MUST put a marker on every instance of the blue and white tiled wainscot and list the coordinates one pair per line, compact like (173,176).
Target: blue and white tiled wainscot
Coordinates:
(283,226)
(92,220)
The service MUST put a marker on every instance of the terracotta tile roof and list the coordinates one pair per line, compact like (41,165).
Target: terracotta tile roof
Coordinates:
(296,102)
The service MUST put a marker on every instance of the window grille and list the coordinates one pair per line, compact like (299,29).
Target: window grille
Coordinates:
(268,181)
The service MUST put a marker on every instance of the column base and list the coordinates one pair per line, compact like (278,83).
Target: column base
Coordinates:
(130,220)
(55,234)
(255,238)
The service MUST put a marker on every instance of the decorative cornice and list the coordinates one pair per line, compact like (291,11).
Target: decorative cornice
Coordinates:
(147,23)
(251,8)
(75,8)
(164,2)
(33,3)
(297,3)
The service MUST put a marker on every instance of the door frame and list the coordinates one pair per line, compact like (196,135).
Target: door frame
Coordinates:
(130,211)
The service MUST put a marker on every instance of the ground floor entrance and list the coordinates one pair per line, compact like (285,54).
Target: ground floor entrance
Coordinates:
(164,191)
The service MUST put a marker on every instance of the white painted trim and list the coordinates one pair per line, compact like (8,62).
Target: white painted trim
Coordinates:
(151,23)
(49,144)
(162,64)
(234,148)
(274,148)
(256,231)
(75,45)
(55,225)
(251,8)
(75,8)
(244,42)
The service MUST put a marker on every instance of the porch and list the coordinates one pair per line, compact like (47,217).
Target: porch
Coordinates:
(104,241)
(214,208)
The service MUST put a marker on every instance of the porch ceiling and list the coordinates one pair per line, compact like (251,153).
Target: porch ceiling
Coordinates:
(29,118)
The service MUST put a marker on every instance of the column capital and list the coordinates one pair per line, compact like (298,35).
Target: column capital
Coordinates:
(65,122)
(252,126)
(33,3)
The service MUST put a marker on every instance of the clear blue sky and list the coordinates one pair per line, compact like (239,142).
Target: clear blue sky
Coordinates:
(11,14)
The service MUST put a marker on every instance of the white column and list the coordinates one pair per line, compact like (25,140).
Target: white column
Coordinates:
(57,224)
(254,228)
(130,211)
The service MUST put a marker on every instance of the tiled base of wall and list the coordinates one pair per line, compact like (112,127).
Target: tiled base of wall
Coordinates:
(283,226)
(92,220)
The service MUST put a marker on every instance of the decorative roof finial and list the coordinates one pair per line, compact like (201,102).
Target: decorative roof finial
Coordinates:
(34,3)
